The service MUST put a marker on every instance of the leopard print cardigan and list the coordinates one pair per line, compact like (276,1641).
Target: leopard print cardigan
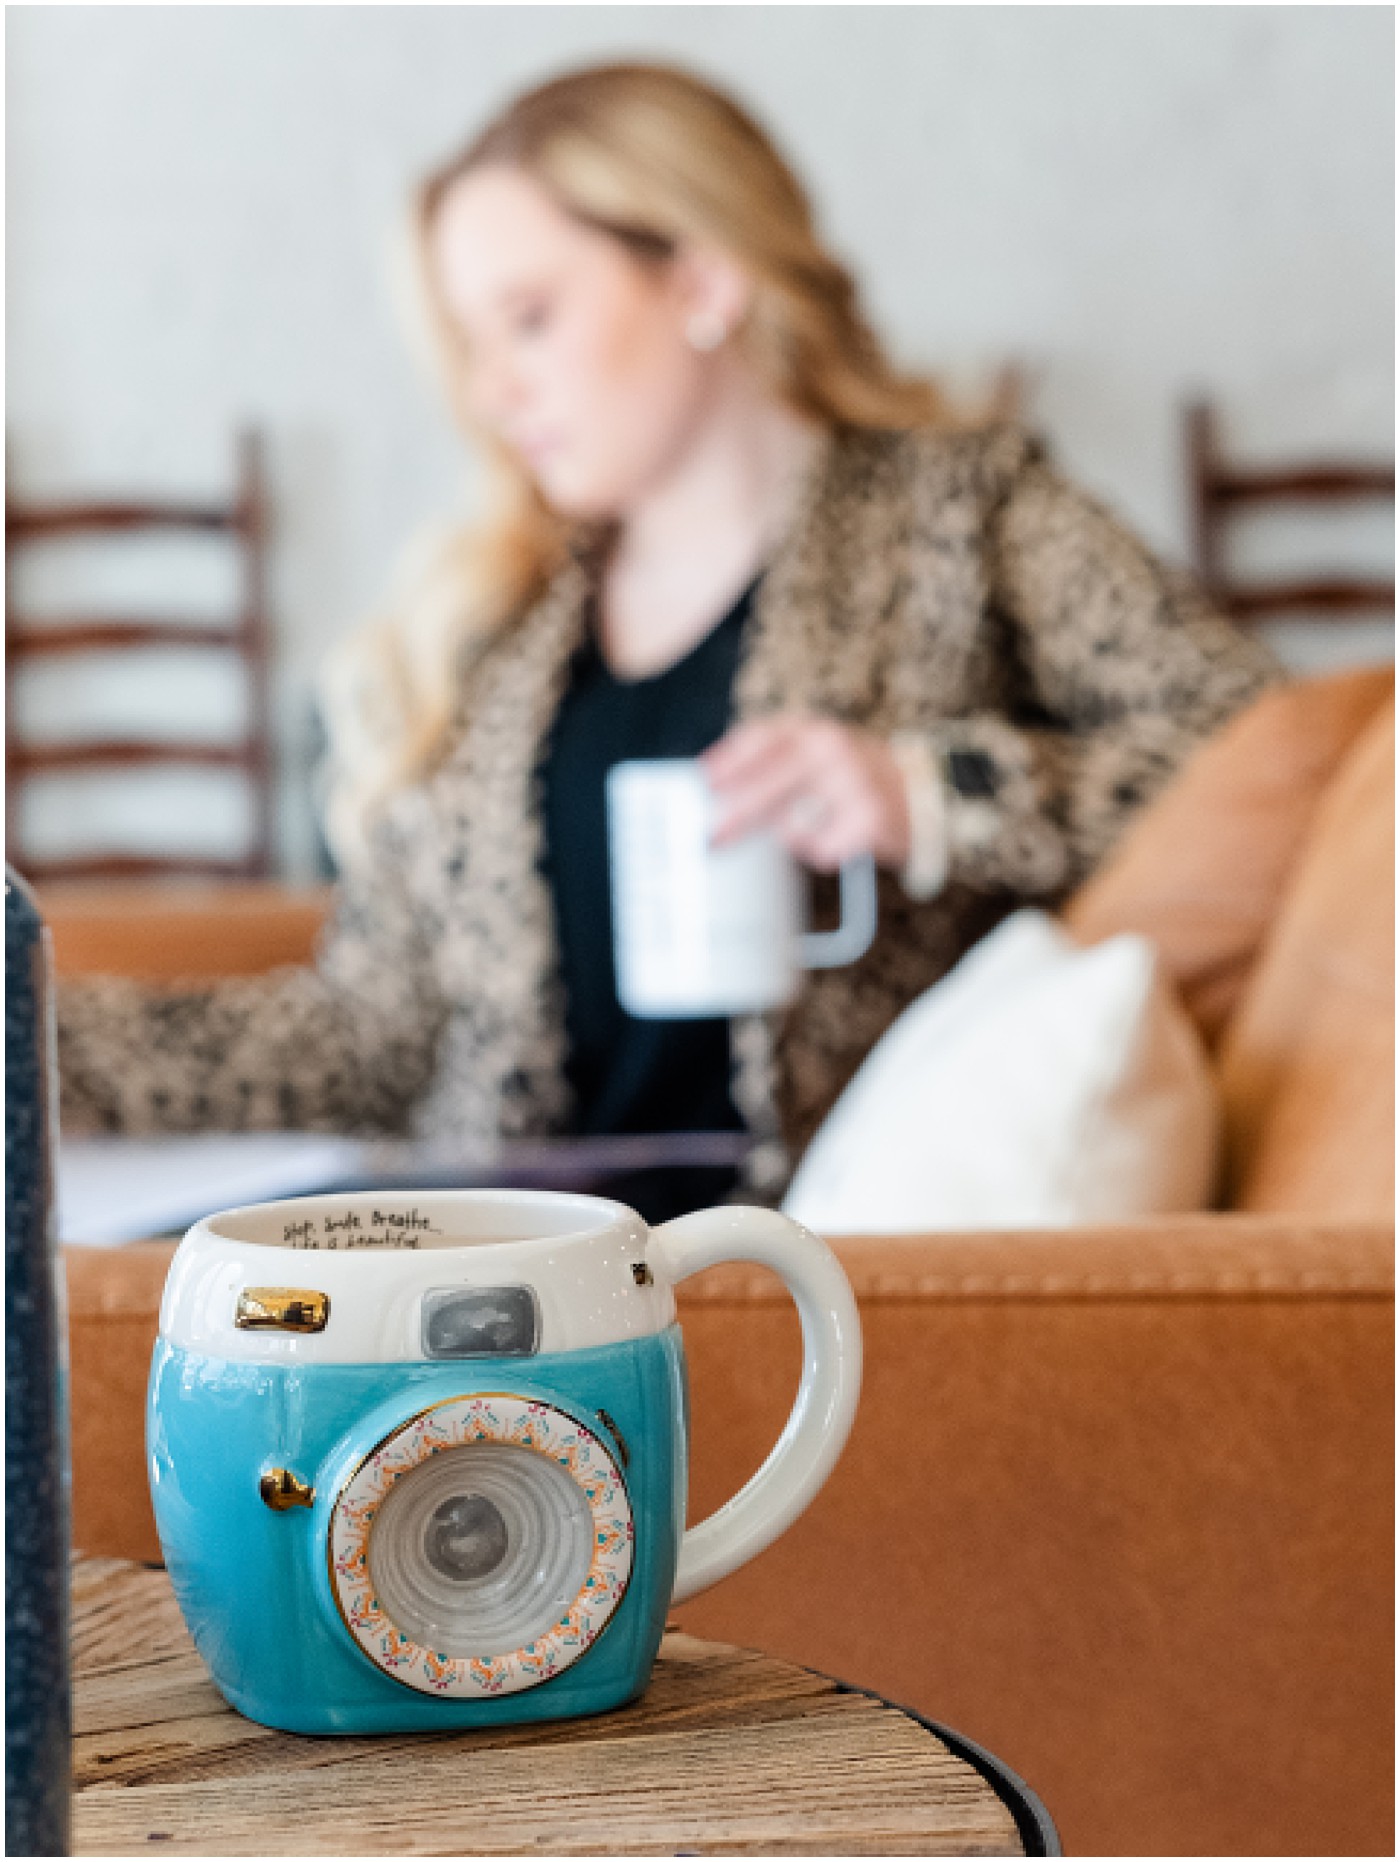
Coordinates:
(948,583)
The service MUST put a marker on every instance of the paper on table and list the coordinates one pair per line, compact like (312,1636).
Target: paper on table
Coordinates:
(121,1189)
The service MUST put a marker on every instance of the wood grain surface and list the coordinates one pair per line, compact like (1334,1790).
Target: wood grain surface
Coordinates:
(728,1752)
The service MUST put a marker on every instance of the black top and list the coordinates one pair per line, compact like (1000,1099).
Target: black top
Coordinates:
(630,1075)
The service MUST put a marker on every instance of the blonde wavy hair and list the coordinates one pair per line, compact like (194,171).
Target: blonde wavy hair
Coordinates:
(659,159)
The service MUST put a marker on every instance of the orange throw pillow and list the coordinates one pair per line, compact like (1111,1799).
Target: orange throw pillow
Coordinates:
(1308,1065)
(1204,871)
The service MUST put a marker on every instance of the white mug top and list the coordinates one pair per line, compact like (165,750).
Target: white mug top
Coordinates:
(406,1276)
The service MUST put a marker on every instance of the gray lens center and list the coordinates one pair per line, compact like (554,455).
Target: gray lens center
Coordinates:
(466,1538)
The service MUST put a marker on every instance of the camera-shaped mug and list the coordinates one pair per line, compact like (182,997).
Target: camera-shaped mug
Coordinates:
(419,1460)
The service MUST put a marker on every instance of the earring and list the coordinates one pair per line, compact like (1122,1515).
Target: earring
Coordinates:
(705,330)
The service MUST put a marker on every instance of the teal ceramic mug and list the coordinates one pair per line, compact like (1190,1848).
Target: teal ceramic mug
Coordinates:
(419,1460)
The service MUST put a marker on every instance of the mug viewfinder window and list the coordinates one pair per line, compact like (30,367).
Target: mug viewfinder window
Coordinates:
(491,1322)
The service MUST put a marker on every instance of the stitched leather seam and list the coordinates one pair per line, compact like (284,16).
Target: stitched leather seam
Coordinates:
(1056,1286)
(974,1287)
(146,1316)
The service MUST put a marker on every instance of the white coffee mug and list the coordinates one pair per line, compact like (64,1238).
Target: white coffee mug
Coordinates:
(700,930)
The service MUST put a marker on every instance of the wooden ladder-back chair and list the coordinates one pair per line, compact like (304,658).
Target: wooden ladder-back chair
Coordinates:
(245,639)
(1218,490)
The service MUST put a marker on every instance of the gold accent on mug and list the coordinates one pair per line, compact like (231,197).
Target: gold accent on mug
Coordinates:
(281,1490)
(281,1309)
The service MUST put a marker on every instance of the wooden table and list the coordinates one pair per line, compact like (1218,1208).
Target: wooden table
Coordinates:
(728,1752)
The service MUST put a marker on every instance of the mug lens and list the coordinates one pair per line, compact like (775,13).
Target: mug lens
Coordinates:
(480,1549)
(466,1538)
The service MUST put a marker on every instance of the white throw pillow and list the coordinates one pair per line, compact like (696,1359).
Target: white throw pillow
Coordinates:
(1038,1084)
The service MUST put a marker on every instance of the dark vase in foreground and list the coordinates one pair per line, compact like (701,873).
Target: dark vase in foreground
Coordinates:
(37,1707)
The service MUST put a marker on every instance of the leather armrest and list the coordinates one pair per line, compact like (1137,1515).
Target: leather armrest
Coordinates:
(1190,1257)
(167,931)
(114,1299)
(113,1306)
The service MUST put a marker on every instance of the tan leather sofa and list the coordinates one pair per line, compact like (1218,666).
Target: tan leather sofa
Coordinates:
(1117,1503)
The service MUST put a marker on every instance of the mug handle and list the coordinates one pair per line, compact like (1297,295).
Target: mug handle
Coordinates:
(816,1431)
(826,950)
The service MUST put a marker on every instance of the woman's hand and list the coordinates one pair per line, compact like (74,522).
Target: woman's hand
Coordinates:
(828,791)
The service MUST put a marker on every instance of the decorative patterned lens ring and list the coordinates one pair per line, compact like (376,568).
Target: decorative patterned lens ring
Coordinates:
(481,1547)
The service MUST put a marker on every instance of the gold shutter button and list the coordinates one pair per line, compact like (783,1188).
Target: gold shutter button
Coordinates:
(281,1309)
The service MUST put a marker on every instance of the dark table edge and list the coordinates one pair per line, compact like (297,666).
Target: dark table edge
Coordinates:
(1034,1824)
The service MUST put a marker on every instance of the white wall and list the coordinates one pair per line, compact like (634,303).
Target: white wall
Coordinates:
(1133,202)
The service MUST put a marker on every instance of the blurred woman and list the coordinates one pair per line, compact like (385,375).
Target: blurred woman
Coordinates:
(722,524)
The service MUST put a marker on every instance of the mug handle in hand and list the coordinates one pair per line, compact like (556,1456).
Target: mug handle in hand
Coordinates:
(816,1431)
(826,950)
